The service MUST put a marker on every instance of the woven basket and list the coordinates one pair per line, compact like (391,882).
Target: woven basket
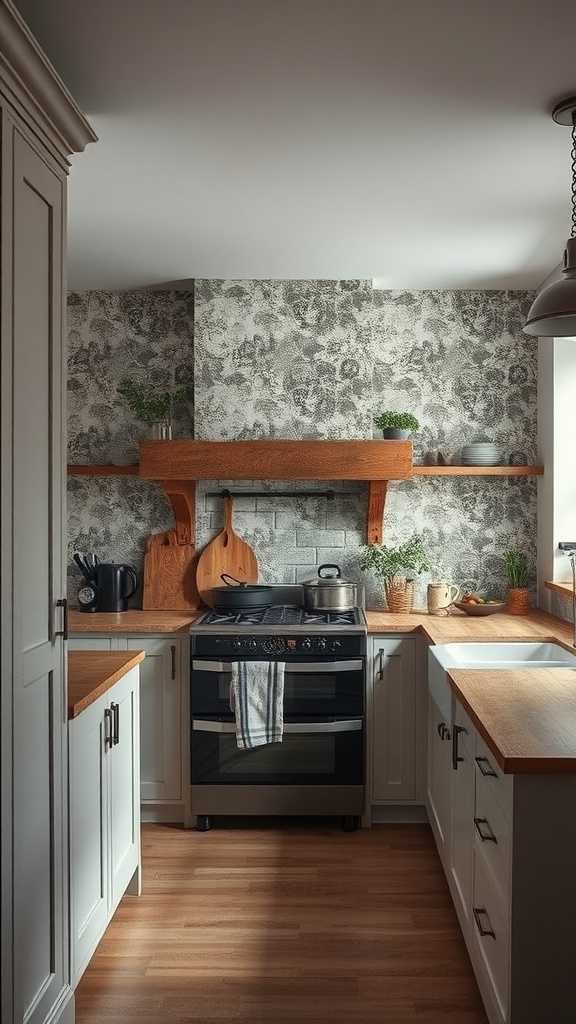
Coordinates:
(399,595)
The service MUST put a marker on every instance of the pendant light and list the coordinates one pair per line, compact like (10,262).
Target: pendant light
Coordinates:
(553,312)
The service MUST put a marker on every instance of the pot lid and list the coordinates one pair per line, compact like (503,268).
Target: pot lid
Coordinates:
(329,581)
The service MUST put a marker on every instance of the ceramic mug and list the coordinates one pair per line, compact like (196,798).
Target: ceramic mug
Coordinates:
(441,596)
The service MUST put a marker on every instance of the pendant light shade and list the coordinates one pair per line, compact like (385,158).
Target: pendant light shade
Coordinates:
(553,312)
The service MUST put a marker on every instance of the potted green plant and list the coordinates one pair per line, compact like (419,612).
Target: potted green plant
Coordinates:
(397,567)
(396,426)
(151,406)
(518,573)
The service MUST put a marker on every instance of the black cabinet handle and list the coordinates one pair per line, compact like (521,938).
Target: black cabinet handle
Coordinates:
(443,731)
(479,913)
(116,723)
(483,829)
(456,759)
(173,660)
(485,767)
(63,604)
(107,729)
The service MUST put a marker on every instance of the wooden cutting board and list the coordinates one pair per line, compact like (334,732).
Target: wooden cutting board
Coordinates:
(227,553)
(169,579)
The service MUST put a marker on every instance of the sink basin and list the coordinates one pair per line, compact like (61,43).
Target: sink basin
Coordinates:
(489,655)
(502,655)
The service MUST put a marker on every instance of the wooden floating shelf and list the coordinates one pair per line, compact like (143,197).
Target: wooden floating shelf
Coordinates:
(276,460)
(177,465)
(477,470)
(75,469)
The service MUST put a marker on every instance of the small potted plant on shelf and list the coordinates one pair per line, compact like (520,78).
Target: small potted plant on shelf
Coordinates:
(396,426)
(517,571)
(397,567)
(151,406)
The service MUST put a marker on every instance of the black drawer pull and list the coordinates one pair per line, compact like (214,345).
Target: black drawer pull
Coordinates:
(479,913)
(456,758)
(485,767)
(443,731)
(484,831)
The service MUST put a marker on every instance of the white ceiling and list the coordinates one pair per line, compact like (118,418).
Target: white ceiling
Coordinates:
(409,142)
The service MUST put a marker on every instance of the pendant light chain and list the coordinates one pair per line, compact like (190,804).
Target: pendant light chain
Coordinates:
(574,176)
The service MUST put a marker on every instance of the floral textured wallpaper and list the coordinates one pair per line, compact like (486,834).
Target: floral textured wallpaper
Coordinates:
(113,335)
(311,359)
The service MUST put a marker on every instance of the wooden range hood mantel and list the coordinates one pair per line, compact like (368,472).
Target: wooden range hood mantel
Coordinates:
(276,460)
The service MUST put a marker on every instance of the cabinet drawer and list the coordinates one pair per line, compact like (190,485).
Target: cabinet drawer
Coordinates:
(495,784)
(493,834)
(490,930)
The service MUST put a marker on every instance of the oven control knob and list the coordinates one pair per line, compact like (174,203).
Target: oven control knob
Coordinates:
(237,643)
(251,644)
(321,644)
(306,644)
(335,645)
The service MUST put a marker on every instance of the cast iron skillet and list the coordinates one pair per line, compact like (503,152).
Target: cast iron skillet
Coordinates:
(239,596)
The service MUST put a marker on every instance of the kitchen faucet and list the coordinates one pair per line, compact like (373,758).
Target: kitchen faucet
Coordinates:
(570,548)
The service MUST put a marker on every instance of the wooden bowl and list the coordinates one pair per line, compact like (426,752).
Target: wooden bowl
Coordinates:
(480,609)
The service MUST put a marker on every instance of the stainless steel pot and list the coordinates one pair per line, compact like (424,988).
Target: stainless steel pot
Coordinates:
(330,593)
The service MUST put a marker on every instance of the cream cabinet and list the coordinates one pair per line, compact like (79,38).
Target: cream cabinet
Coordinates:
(40,127)
(393,720)
(104,814)
(164,719)
(508,846)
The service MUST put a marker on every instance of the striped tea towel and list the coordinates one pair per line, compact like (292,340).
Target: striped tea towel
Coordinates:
(257,699)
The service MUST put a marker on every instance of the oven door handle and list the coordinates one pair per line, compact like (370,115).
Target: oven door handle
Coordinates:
(291,666)
(350,725)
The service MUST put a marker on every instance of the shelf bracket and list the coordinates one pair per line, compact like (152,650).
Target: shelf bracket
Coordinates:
(377,490)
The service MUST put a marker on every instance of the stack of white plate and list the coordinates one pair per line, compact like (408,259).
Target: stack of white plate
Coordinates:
(482,454)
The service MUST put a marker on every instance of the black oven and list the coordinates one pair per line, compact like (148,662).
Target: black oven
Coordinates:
(314,689)
(318,768)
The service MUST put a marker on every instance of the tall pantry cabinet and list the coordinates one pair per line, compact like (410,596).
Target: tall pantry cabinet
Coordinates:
(40,127)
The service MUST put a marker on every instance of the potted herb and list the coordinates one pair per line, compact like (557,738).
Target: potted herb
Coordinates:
(396,426)
(397,567)
(151,406)
(516,565)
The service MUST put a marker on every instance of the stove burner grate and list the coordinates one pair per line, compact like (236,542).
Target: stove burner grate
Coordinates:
(279,615)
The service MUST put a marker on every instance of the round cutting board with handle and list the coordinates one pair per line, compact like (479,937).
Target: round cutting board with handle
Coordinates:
(227,553)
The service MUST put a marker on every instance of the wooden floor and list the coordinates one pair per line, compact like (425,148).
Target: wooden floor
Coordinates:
(284,924)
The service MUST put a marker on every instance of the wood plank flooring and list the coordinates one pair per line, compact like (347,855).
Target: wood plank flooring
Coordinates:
(298,922)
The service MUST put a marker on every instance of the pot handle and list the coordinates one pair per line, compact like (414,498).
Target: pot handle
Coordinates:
(329,565)
(231,581)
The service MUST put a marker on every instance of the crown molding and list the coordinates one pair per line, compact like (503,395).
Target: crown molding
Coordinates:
(36,88)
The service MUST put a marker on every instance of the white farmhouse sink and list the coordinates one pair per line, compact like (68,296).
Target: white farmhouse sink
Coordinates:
(489,655)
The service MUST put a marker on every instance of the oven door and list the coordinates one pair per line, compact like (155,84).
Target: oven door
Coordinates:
(327,753)
(320,690)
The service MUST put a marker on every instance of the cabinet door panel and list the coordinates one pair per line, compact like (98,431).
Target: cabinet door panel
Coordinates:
(439,770)
(394,721)
(462,826)
(89,834)
(160,719)
(39,729)
(124,790)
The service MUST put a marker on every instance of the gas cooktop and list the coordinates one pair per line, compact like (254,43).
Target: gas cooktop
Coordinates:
(280,619)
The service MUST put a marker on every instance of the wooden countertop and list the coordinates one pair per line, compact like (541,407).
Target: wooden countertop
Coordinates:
(133,621)
(92,673)
(457,627)
(526,716)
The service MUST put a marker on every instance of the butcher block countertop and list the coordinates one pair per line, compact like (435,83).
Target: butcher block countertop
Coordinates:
(526,716)
(133,621)
(92,673)
(459,627)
